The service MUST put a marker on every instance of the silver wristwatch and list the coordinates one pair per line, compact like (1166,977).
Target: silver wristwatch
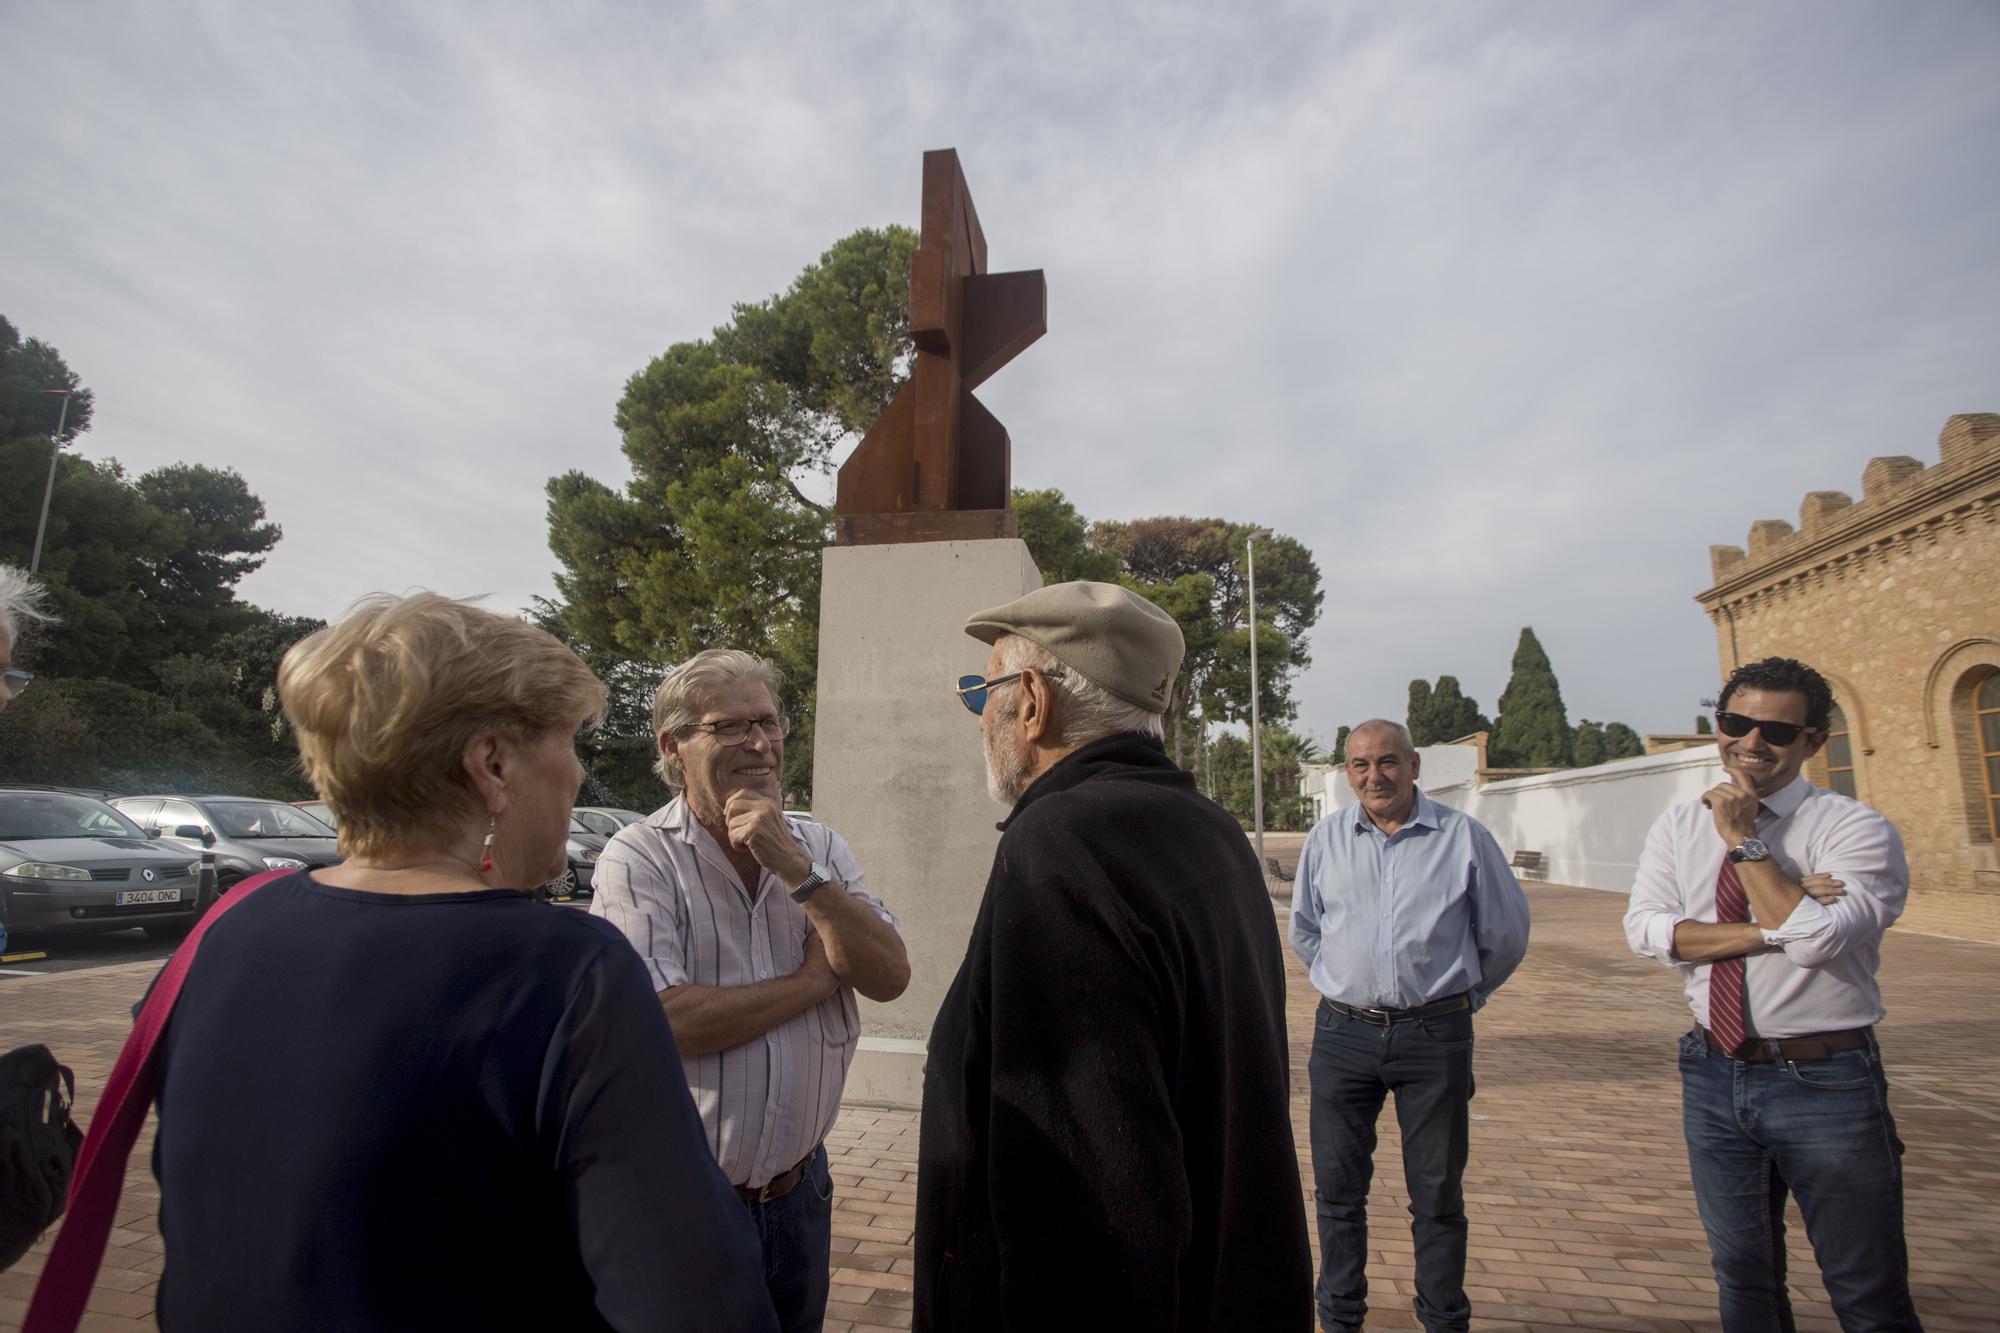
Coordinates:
(823,874)
(1750,849)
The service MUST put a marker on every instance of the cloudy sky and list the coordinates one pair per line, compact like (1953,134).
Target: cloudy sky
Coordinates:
(1507,310)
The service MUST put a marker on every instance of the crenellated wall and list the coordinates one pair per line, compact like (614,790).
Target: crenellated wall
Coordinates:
(1895,598)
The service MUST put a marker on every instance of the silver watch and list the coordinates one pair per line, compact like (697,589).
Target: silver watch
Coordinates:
(823,874)
(1750,849)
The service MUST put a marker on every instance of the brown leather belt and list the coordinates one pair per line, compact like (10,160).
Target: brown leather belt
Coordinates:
(778,1186)
(1382,1018)
(1764,1050)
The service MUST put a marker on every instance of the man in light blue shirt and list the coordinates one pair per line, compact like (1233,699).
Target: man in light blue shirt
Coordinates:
(1408,919)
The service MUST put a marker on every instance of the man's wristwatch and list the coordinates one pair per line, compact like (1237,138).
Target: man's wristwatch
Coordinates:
(1750,849)
(822,874)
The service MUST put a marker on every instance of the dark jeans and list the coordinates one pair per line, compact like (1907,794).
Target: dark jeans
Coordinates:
(1822,1130)
(1354,1065)
(797,1231)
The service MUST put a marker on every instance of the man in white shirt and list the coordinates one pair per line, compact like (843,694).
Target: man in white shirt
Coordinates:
(1771,896)
(758,931)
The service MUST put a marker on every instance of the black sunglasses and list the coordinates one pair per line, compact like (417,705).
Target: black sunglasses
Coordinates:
(1736,727)
(972,689)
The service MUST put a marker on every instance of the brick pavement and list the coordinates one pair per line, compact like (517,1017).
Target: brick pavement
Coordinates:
(1578,1196)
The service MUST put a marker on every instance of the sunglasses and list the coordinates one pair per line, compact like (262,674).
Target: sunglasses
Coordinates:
(972,689)
(1736,727)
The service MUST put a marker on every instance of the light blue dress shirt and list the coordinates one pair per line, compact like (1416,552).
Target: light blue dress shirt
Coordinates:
(1394,923)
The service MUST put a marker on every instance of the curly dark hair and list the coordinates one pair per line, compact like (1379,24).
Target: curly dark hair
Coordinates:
(1784,673)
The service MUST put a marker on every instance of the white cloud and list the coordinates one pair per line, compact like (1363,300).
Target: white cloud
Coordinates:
(1507,311)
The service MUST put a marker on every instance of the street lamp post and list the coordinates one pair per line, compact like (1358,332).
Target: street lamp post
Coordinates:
(1256,718)
(49,490)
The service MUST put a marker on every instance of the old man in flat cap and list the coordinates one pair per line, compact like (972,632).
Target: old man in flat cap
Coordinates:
(1106,1135)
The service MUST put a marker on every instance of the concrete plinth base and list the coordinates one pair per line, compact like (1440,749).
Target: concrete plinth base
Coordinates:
(898,768)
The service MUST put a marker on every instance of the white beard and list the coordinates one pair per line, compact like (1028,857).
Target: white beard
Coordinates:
(1006,763)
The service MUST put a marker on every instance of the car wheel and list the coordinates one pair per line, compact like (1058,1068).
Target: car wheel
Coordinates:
(560,890)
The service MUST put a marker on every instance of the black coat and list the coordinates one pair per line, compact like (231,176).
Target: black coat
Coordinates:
(1107,1138)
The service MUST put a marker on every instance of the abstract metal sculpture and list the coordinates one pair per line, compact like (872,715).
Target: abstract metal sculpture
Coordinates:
(936,465)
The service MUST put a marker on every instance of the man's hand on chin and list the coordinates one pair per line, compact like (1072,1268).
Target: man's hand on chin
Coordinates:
(757,826)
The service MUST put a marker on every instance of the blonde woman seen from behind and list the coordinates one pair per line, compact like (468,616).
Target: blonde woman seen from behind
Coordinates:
(398,1093)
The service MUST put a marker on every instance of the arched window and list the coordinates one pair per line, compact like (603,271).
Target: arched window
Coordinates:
(1986,727)
(1839,755)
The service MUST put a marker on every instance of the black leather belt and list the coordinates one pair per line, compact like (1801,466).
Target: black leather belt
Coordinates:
(1765,1050)
(1383,1018)
(778,1186)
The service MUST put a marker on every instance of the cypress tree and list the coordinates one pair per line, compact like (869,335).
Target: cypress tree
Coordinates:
(1418,719)
(1621,742)
(1587,743)
(1533,730)
(1701,726)
(1453,712)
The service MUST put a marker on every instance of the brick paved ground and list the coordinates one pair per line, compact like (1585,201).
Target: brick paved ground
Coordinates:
(1580,1207)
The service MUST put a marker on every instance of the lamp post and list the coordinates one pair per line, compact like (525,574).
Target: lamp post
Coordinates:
(1256,717)
(55,449)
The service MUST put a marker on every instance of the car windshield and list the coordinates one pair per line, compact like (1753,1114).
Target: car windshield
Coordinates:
(576,825)
(28,815)
(265,819)
(594,821)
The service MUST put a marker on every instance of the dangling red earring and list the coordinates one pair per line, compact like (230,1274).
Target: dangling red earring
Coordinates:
(486,859)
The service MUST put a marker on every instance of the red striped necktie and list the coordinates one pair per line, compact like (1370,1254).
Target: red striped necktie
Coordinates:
(1725,975)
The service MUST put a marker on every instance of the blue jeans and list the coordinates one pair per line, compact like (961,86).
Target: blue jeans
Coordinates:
(796,1229)
(1354,1066)
(1821,1130)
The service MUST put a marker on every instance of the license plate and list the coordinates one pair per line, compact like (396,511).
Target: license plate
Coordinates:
(139,897)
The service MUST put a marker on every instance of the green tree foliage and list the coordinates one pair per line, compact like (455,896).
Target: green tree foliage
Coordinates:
(1587,743)
(1340,745)
(1058,539)
(157,677)
(1702,727)
(1621,742)
(1286,807)
(1194,568)
(1533,728)
(710,542)
(1442,714)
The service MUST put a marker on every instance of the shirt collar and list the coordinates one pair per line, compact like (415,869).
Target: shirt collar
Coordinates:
(1785,802)
(1424,812)
(675,817)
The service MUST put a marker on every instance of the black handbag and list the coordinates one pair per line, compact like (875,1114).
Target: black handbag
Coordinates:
(38,1146)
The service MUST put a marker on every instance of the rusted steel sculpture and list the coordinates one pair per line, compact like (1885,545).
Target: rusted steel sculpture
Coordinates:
(936,466)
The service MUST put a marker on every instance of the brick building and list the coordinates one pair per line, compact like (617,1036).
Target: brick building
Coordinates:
(1896,600)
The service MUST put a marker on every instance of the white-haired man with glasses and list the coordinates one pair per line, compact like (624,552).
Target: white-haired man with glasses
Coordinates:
(757,930)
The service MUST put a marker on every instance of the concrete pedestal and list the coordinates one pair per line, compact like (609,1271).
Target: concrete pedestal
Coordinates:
(898,768)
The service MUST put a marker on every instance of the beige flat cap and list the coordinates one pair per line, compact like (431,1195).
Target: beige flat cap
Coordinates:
(1109,635)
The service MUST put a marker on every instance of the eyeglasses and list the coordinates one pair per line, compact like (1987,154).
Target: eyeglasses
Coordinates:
(972,689)
(1736,727)
(13,680)
(736,730)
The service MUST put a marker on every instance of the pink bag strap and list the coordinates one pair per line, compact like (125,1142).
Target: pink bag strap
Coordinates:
(99,1177)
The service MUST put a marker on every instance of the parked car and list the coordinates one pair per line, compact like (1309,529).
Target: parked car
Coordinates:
(605,819)
(247,835)
(583,851)
(71,863)
(321,811)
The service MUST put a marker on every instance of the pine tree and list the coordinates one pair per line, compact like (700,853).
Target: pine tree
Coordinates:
(1587,743)
(1621,742)
(1443,713)
(1533,730)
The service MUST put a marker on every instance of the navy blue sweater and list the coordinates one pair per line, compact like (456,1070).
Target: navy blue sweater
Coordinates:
(435,1111)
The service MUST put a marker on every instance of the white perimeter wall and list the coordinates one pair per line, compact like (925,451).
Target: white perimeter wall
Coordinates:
(1589,824)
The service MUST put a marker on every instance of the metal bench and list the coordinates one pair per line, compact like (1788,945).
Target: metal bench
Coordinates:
(1277,871)
(1528,864)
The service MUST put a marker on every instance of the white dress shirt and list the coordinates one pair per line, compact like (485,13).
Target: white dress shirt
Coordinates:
(1820,974)
(670,888)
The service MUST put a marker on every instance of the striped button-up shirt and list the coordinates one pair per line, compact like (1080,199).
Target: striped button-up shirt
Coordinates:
(668,885)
